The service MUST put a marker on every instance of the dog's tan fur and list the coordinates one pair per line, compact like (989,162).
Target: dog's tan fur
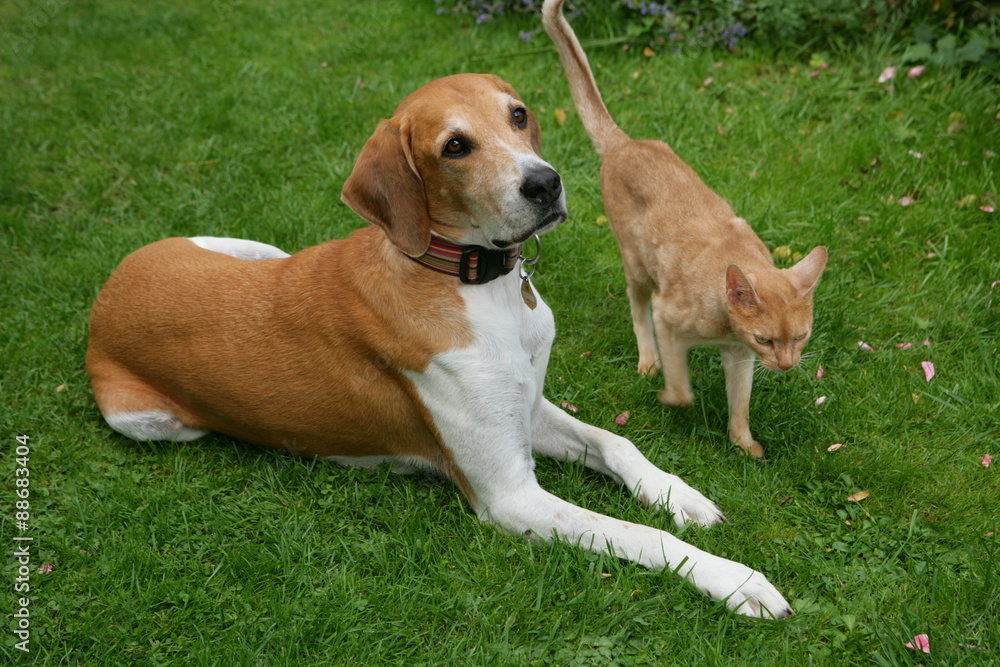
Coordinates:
(706,276)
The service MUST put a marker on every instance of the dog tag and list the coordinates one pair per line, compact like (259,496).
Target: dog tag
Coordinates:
(527,270)
(528,295)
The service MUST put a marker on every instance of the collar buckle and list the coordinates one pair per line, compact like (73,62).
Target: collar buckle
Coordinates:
(480,265)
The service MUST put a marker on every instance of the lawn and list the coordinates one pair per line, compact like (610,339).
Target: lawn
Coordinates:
(126,122)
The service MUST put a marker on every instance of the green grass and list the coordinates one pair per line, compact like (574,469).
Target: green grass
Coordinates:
(123,123)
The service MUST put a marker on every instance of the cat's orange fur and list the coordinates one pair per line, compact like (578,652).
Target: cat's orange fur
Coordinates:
(697,274)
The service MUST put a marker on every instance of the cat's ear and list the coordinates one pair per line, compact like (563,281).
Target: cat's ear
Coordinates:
(739,291)
(806,273)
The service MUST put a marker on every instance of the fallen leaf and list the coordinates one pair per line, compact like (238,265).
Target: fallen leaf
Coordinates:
(622,419)
(601,220)
(559,115)
(648,52)
(858,497)
(834,447)
(967,200)
(887,74)
(987,461)
(60,388)
(570,407)
(920,643)
(819,401)
(928,370)
(955,123)
(782,252)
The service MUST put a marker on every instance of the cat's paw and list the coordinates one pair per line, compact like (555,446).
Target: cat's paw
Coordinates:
(745,591)
(749,447)
(648,366)
(678,397)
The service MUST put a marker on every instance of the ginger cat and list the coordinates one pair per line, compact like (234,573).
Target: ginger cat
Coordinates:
(697,274)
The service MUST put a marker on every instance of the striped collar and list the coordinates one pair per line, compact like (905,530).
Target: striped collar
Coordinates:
(473,264)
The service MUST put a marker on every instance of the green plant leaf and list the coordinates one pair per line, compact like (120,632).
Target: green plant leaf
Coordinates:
(920,52)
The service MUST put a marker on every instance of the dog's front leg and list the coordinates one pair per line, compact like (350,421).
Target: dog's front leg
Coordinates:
(557,434)
(533,512)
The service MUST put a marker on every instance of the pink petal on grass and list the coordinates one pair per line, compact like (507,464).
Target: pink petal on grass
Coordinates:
(920,643)
(570,407)
(928,370)
(622,419)
(819,401)
(987,461)
(865,346)
(46,568)
(915,72)
(906,201)
(887,74)
(987,209)
(819,373)
(904,345)
(835,446)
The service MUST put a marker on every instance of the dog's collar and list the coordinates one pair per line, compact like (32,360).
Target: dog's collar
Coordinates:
(473,264)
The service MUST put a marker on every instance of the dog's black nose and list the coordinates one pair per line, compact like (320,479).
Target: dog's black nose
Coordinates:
(541,185)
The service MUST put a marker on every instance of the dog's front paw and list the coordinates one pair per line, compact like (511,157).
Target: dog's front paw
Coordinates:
(687,505)
(745,591)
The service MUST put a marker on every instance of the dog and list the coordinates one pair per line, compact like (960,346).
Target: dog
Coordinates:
(412,342)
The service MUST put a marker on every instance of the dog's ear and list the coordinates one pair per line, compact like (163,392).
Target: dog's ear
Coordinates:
(385,189)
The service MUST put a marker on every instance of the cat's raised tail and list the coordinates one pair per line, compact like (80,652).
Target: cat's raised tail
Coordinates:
(603,131)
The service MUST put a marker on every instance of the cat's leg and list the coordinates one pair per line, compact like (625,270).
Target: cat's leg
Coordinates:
(738,361)
(673,359)
(639,299)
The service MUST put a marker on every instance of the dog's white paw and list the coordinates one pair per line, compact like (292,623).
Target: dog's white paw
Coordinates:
(744,590)
(687,505)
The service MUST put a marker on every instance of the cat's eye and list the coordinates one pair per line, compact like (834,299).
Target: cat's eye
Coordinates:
(802,337)
(762,340)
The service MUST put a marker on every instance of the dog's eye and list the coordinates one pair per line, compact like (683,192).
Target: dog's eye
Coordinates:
(520,117)
(455,147)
